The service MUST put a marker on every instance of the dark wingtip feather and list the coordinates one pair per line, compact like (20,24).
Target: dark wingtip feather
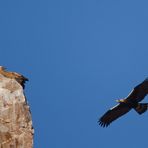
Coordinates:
(103,124)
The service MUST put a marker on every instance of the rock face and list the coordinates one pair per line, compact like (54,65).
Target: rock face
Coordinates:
(16,129)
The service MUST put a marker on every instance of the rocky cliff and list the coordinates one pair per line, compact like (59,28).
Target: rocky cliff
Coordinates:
(16,129)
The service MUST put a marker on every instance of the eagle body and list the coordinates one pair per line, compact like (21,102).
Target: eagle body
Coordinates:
(131,104)
(13,75)
(125,105)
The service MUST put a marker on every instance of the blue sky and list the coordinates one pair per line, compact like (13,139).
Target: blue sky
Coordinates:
(80,56)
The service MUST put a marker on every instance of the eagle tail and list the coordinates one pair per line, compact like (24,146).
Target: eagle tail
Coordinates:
(141,108)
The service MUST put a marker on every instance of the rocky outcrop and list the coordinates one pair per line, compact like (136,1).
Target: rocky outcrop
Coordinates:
(16,129)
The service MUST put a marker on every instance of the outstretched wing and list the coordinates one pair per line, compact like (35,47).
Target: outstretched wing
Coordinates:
(114,113)
(139,92)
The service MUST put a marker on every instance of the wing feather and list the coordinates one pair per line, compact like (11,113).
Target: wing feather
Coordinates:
(113,113)
(139,92)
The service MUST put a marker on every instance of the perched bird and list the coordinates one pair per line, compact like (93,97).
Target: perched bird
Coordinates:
(126,104)
(13,75)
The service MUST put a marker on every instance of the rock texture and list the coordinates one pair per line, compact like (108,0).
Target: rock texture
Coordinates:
(15,118)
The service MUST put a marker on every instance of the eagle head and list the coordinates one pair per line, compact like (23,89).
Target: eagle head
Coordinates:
(120,100)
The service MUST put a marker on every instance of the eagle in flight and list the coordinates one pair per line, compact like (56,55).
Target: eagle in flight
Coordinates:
(126,104)
(13,75)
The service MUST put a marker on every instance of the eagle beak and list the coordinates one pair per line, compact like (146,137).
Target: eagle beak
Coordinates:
(118,101)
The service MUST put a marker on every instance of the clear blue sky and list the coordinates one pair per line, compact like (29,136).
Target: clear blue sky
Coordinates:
(79,56)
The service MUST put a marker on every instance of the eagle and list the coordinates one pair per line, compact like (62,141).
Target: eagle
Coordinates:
(13,75)
(126,104)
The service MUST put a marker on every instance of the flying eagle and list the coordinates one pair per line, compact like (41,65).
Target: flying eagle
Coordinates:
(13,75)
(126,104)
